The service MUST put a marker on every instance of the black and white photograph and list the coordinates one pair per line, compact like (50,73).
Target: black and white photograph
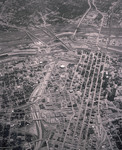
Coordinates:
(60,74)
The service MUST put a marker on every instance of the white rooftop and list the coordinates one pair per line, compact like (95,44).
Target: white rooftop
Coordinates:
(62,66)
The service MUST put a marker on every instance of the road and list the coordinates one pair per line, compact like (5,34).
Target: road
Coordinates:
(82,19)
(91,111)
(71,103)
(86,112)
(81,106)
(110,49)
(80,110)
(91,100)
(102,21)
(38,92)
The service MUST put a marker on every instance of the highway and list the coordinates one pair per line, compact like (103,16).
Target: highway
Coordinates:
(82,19)
(101,25)
(38,92)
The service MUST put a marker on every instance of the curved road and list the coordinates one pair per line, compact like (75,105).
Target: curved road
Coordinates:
(38,92)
